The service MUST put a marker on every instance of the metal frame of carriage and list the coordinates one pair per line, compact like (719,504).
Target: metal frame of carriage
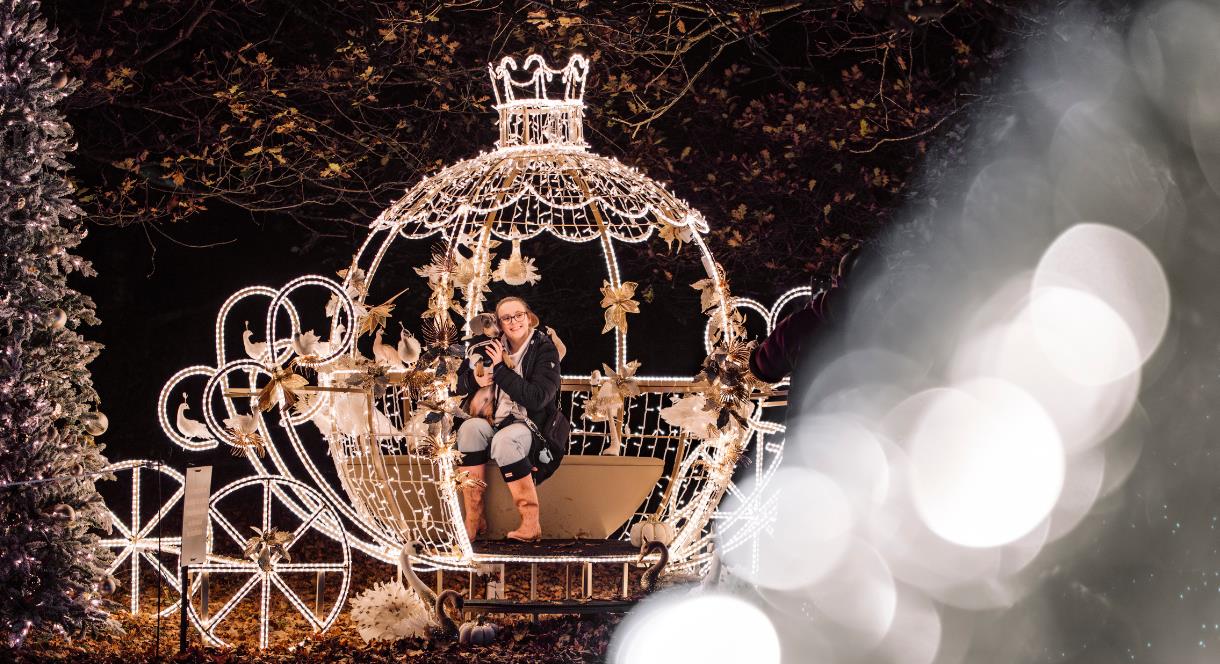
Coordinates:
(541,179)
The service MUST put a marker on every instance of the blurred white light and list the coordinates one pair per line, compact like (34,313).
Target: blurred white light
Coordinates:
(986,464)
(915,633)
(843,449)
(914,553)
(1081,488)
(710,628)
(860,596)
(1082,336)
(1006,215)
(1082,63)
(810,531)
(1084,414)
(1118,269)
(1102,172)
(1204,124)
(1171,45)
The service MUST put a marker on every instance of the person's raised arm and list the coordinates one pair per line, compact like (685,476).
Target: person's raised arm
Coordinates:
(541,389)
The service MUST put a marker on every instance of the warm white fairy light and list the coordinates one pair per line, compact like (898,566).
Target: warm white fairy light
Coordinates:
(269,580)
(136,544)
(540,179)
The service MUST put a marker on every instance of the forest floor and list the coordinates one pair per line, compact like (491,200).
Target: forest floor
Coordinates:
(520,639)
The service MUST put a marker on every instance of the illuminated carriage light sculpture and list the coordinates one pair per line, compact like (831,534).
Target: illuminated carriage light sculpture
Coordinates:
(541,178)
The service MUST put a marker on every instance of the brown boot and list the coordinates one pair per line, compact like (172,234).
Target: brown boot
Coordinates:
(525,495)
(472,496)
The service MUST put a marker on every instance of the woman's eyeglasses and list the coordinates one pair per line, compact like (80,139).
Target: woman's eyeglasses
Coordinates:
(513,318)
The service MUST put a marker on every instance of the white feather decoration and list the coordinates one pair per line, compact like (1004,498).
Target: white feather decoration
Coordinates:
(190,428)
(688,414)
(389,611)
(516,270)
(351,417)
(306,344)
(246,424)
(255,350)
(385,353)
(408,348)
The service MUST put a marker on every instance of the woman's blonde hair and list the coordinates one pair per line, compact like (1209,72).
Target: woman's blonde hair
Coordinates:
(533,318)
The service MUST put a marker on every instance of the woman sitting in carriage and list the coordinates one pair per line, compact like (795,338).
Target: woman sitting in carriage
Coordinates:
(516,390)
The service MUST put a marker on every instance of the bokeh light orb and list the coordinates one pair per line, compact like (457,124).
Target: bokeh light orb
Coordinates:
(709,628)
(804,523)
(1082,336)
(986,463)
(1115,267)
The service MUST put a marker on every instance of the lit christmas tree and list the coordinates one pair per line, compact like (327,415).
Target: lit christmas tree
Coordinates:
(49,564)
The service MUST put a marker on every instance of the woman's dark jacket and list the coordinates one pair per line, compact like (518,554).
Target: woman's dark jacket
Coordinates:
(537,386)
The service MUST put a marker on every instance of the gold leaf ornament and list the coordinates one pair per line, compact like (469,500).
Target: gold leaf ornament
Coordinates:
(464,480)
(241,432)
(377,316)
(287,382)
(671,233)
(618,302)
(709,297)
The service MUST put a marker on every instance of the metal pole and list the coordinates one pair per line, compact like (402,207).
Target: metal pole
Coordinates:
(181,608)
(319,590)
(626,585)
(533,581)
(587,590)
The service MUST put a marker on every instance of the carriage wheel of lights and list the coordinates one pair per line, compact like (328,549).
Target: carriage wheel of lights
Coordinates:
(138,545)
(387,429)
(245,560)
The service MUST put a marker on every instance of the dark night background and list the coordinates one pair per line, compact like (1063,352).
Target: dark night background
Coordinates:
(1139,578)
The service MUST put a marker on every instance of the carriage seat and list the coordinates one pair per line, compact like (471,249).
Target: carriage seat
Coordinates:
(588,497)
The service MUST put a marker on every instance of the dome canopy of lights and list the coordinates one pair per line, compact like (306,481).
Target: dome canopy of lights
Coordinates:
(655,451)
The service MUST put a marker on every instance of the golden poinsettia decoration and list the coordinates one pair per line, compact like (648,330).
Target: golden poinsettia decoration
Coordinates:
(286,382)
(440,448)
(671,233)
(375,318)
(727,383)
(374,377)
(268,546)
(618,302)
(440,267)
(241,432)
(726,322)
(464,480)
(357,285)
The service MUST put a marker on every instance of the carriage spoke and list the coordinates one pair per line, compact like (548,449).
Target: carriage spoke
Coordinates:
(231,568)
(135,499)
(169,504)
(303,527)
(118,560)
(230,529)
(310,567)
(266,506)
(232,603)
(170,577)
(117,524)
(295,600)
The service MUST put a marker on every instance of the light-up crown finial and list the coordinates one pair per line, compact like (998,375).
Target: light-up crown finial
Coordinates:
(539,105)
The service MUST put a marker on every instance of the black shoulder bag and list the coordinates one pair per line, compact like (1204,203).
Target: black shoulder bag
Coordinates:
(550,444)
